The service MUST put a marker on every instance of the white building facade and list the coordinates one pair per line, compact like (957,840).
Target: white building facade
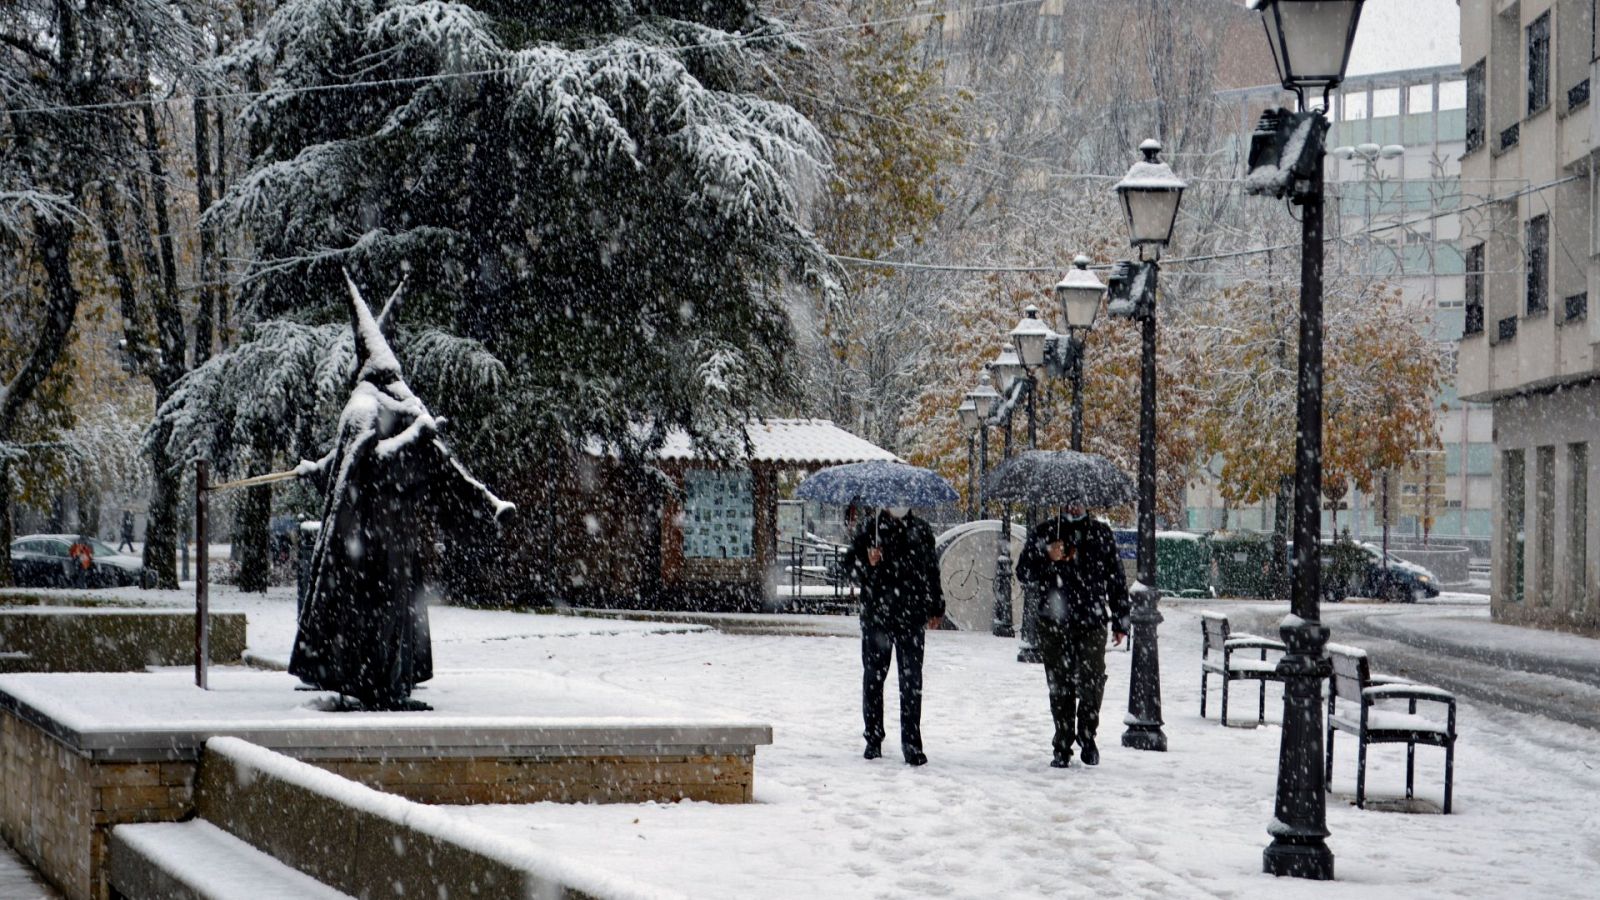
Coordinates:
(1531,346)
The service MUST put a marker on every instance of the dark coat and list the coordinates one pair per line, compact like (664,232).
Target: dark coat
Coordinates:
(1085,589)
(901,593)
(363,628)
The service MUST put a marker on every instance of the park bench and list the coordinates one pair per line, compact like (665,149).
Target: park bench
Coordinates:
(1354,695)
(1223,653)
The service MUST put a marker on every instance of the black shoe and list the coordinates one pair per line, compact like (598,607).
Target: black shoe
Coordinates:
(1060,760)
(916,758)
(873,751)
(1089,752)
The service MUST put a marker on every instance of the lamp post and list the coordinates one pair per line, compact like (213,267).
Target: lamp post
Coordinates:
(968,412)
(1005,372)
(1079,295)
(983,399)
(1030,338)
(1150,194)
(1310,42)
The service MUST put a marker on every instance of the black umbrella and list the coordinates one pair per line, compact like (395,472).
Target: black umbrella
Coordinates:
(1059,478)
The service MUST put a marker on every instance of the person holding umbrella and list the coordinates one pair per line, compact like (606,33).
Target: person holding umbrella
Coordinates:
(1072,560)
(892,558)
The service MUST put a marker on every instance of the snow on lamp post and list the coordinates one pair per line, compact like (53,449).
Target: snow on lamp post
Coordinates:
(1311,42)
(1150,194)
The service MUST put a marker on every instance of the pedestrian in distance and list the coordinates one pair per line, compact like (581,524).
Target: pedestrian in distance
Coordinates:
(1072,561)
(81,560)
(127,532)
(892,558)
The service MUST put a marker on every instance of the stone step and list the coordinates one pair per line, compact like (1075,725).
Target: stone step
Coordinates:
(196,860)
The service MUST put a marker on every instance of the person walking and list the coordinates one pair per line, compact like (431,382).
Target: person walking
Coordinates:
(892,558)
(1072,561)
(127,531)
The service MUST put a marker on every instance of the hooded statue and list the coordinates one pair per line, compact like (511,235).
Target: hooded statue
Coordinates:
(363,630)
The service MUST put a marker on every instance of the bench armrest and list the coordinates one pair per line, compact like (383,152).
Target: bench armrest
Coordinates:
(1408,692)
(1253,643)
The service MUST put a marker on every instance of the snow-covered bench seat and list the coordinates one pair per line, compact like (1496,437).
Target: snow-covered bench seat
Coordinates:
(1354,695)
(196,860)
(1223,653)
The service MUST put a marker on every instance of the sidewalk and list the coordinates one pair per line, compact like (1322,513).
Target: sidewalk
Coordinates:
(1471,635)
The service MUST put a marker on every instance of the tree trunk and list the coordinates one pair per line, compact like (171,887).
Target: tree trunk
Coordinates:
(54,241)
(253,531)
(206,308)
(160,550)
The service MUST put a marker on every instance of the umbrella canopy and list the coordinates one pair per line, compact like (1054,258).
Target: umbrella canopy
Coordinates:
(877,483)
(1059,477)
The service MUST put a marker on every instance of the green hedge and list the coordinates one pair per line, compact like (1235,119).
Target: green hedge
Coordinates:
(1184,566)
(1243,565)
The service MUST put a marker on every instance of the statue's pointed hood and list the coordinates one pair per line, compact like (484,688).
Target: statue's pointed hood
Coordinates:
(375,359)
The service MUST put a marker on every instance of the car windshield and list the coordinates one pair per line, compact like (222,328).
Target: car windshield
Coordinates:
(101,548)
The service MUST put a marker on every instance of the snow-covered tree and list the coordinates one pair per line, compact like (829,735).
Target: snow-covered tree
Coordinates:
(65,70)
(594,192)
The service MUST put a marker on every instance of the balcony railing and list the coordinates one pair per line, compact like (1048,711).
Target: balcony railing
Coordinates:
(1474,321)
(1578,94)
(1510,136)
(1575,308)
(1506,329)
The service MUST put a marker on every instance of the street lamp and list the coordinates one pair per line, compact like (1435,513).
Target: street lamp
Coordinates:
(1004,373)
(1150,194)
(1079,295)
(1030,338)
(1311,42)
(968,413)
(983,398)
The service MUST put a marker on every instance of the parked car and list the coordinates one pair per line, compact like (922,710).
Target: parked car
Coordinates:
(42,560)
(1362,573)
(1398,582)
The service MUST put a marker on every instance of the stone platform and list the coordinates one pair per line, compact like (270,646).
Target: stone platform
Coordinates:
(73,638)
(81,753)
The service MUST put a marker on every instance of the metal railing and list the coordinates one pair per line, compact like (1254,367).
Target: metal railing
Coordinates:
(815,577)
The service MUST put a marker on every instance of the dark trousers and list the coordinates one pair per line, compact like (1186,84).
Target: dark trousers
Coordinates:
(1075,669)
(876,646)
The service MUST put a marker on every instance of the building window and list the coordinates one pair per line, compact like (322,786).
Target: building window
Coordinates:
(1544,475)
(1539,64)
(1475,106)
(1576,307)
(1513,541)
(1538,265)
(718,514)
(1474,323)
(1578,527)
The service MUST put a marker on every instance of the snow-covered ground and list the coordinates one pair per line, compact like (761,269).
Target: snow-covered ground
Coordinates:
(987,817)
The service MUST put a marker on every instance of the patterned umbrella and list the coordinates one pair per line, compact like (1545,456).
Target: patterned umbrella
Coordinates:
(877,483)
(1059,477)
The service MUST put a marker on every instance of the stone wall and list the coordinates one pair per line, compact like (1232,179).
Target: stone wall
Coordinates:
(721,777)
(67,639)
(58,806)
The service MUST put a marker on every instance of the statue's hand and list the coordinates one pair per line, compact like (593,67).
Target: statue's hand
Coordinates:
(506,517)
